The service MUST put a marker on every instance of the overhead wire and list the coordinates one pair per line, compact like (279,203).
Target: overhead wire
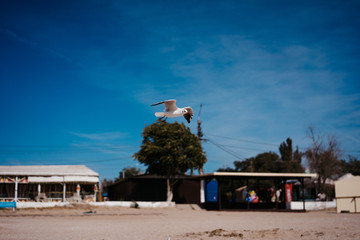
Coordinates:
(243,140)
(77,146)
(267,144)
(6,149)
(64,149)
(222,147)
(22,149)
(71,162)
(226,149)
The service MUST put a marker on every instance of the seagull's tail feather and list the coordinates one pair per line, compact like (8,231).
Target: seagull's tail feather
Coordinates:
(160,114)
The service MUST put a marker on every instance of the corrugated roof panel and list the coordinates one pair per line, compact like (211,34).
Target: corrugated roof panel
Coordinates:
(51,170)
(66,179)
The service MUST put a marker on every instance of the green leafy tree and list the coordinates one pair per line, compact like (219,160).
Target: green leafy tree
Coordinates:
(226,169)
(263,162)
(271,162)
(351,166)
(244,166)
(170,149)
(128,172)
(291,161)
(105,184)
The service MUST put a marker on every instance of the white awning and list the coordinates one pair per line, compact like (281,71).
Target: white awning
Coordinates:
(65,179)
(47,170)
(50,174)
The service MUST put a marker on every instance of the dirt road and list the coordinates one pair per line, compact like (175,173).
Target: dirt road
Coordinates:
(174,223)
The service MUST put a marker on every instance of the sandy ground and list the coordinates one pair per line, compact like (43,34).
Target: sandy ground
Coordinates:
(181,222)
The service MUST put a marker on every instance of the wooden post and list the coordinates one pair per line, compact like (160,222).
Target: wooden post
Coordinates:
(95,191)
(78,190)
(247,192)
(232,193)
(355,204)
(202,191)
(39,192)
(303,193)
(219,193)
(205,189)
(64,192)
(16,189)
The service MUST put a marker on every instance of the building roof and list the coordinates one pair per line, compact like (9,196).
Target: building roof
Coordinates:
(349,187)
(50,170)
(259,174)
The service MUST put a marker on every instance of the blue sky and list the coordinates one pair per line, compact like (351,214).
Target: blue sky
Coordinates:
(77,78)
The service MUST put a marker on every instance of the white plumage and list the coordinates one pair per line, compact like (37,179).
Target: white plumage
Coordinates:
(171,110)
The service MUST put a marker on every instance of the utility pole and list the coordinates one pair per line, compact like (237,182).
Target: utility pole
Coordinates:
(201,169)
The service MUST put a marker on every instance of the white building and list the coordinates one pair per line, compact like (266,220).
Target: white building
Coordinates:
(347,192)
(57,183)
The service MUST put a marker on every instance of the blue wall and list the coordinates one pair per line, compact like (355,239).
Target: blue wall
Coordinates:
(211,190)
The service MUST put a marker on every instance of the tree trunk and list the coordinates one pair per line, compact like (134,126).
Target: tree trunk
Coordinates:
(169,194)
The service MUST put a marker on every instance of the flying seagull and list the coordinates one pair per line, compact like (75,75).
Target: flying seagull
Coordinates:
(171,110)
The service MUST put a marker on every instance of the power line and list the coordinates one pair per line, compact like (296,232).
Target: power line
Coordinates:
(246,148)
(64,146)
(79,162)
(269,144)
(229,151)
(29,149)
(222,147)
(105,160)
(243,140)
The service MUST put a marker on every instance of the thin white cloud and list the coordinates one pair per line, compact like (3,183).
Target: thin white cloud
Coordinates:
(260,93)
(108,143)
(101,137)
(34,44)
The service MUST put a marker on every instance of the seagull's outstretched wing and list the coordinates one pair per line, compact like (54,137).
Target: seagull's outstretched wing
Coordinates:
(170,105)
(188,116)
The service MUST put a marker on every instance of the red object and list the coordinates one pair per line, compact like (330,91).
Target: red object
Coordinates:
(288,192)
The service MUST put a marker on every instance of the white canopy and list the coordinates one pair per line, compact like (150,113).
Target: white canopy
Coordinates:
(52,173)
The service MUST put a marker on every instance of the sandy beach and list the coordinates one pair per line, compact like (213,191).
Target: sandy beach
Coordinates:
(180,222)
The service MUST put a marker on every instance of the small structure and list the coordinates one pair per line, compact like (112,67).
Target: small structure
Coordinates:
(223,190)
(152,188)
(254,190)
(57,183)
(347,193)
